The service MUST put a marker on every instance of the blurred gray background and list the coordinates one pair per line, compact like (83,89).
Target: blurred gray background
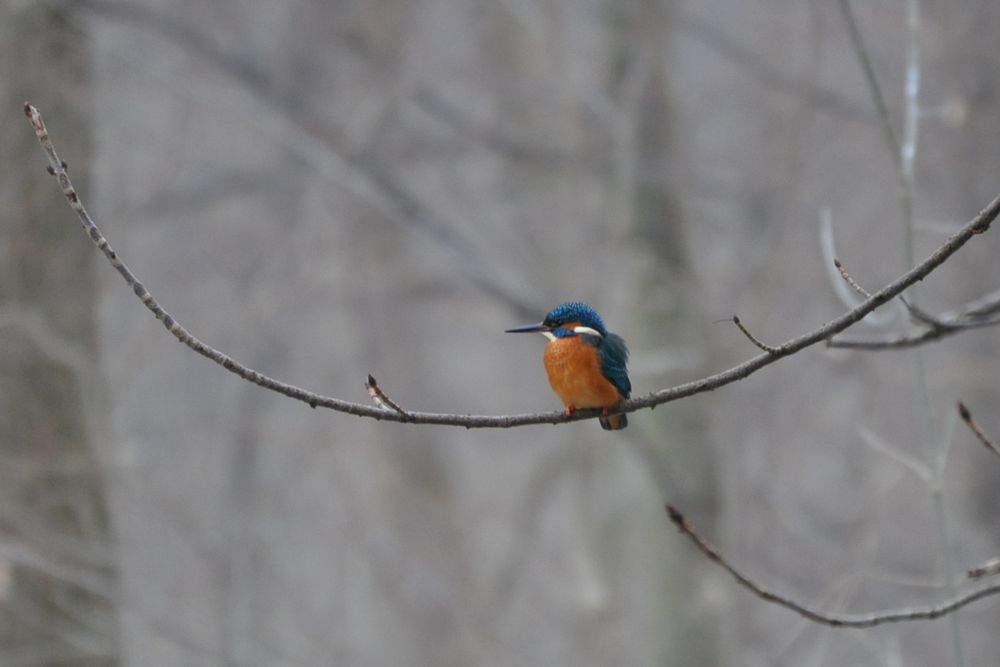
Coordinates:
(325,190)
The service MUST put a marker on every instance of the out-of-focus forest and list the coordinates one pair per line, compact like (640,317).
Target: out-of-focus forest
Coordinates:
(327,190)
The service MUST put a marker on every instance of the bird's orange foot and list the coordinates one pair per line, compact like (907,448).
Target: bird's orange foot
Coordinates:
(604,412)
(570,409)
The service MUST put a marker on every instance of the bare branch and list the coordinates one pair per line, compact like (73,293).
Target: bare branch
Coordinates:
(978,225)
(976,314)
(753,339)
(832,620)
(980,434)
(915,312)
(936,329)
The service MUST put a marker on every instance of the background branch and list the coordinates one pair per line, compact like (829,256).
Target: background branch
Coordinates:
(832,620)
(935,328)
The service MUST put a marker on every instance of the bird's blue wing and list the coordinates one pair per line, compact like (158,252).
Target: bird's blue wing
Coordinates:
(614,357)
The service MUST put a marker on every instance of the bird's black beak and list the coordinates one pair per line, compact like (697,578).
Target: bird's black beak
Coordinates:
(530,328)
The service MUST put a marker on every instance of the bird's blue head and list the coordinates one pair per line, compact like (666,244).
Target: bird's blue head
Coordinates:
(568,319)
(575,312)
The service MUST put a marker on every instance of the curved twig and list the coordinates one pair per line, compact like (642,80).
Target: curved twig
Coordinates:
(978,225)
(770,349)
(832,620)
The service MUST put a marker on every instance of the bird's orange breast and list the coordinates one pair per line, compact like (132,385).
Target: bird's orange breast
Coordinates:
(574,370)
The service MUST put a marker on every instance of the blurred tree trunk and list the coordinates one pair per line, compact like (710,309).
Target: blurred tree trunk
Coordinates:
(645,210)
(55,554)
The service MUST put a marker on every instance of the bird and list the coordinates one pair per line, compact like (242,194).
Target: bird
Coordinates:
(585,362)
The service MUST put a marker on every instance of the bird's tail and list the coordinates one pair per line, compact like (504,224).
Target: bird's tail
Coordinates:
(613,422)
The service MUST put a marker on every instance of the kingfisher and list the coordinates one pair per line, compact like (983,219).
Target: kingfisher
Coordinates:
(584,361)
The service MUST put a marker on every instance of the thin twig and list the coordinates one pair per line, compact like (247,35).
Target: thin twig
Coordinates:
(857,41)
(379,397)
(975,314)
(921,315)
(849,280)
(943,329)
(977,225)
(914,465)
(980,434)
(832,620)
(896,150)
(916,313)
(753,339)
(841,288)
(987,569)
(984,306)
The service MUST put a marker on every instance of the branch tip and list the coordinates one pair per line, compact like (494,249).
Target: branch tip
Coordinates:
(980,434)
(850,281)
(381,400)
(675,516)
(770,349)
